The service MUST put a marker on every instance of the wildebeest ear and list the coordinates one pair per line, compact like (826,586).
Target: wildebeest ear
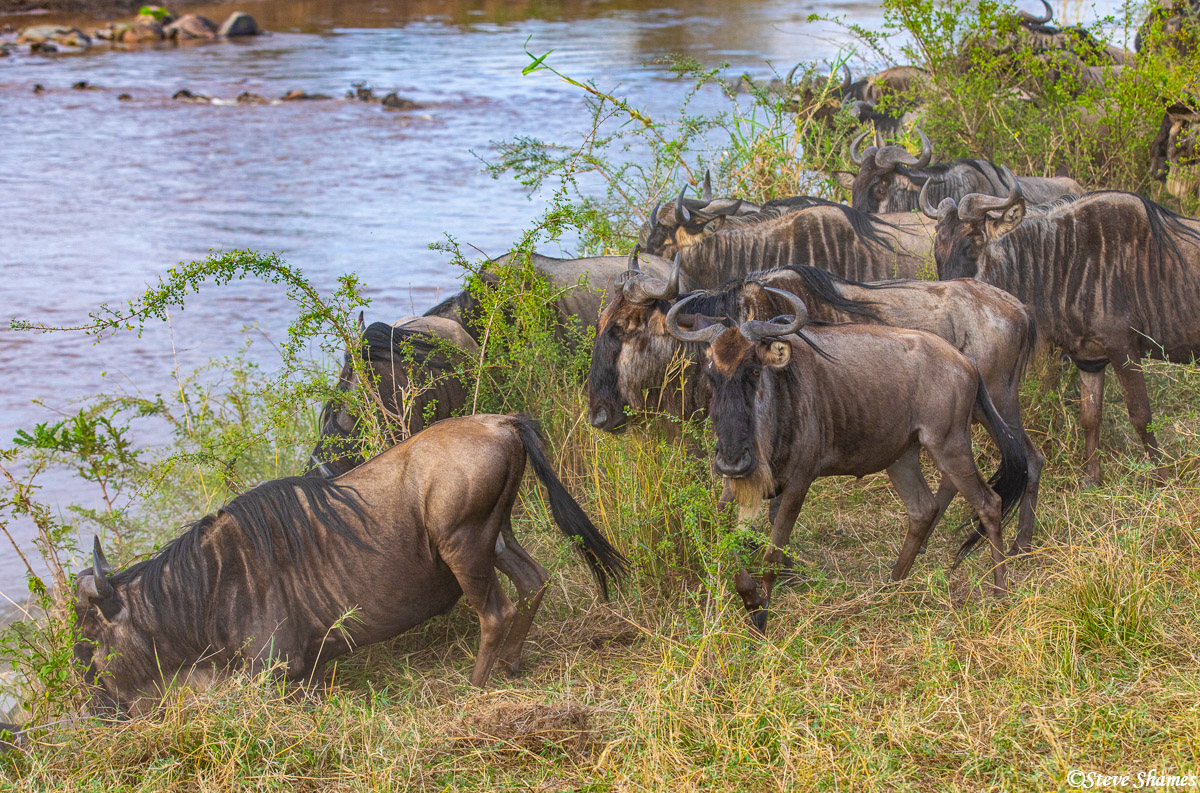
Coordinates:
(844,178)
(1011,218)
(714,225)
(775,353)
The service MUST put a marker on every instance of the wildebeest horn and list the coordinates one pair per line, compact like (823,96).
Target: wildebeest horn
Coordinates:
(889,157)
(976,205)
(848,80)
(654,216)
(681,212)
(856,156)
(879,141)
(756,330)
(706,191)
(788,80)
(923,201)
(633,258)
(644,289)
(705,335)
(96,586)
(362,326)
(1031,19)
(926,150)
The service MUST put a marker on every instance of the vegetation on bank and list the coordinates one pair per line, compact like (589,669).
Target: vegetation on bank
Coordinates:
(863,684)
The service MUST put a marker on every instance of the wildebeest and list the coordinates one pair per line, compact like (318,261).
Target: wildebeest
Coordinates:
(582,286)
(634,354)
(1173,152)
(1111,277)
(1028,32)
(268,579)
(848,400)
(792,231)
(706,205)
(1170,23)
(815,96)
(889,179)
(412,362)
(863,97)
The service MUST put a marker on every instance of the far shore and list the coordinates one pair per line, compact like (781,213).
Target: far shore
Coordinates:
(35,10)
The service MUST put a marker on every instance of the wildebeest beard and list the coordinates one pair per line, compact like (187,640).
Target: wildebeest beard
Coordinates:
(744,411)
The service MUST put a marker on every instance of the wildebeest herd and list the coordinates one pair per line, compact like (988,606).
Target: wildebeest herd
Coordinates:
(800,328)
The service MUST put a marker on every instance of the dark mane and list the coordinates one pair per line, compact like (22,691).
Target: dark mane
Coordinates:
(180,580)
(384,343)
(823,284)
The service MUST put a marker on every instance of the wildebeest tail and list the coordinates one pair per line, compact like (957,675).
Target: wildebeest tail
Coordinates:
(1010,478)
(604,559)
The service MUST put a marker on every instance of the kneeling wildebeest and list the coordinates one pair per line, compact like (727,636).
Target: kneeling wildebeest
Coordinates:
(412,361)
(634,353)
(852,400)
(265,580)
(1111,277)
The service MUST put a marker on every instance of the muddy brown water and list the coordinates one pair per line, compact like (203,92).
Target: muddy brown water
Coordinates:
(99,196)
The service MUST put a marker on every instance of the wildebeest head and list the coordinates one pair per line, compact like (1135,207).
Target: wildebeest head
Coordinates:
(881,169)
(333,454)
(965,228)
(687,221)
(739,366)
(1174,151)
(116,660)
(631,349)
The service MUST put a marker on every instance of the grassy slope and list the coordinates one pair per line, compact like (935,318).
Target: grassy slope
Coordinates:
(863,685)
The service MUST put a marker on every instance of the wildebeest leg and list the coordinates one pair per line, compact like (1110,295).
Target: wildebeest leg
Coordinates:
(483,591)
(790,503)
(920,504)
(945,494)
(1091,405)
(953,455)
(1137,402)
(529,578)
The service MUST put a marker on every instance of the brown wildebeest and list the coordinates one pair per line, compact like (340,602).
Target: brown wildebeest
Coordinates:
(412,361)
(266,579)
(634,353)
(1173,152)
(802,230)
(849,400)
(889,179)
(1111,277)
(582,287)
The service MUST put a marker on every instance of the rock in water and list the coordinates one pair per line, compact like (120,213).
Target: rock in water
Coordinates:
(247,98)
(145,29)
(191,26)
(396,102)
(239,24)
(184,95)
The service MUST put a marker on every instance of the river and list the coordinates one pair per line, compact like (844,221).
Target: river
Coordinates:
(99,196)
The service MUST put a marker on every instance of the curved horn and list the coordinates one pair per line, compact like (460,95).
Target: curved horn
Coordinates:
(756,330)
(97,586)
(788,80)
(976,205)
(890,156)
(926,150)
(848,80)
(654,217)
(879,141)
(856,156)
(928,209)
(706,191)
(1030,18)
(706,336)
(681,212)
(668,292)
(633,258)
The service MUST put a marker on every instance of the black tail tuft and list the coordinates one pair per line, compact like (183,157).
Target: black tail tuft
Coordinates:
(1010,478)
(604,559)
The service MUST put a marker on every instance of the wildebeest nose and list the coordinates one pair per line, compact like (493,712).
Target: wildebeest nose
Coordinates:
(599,418)
(742,466)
